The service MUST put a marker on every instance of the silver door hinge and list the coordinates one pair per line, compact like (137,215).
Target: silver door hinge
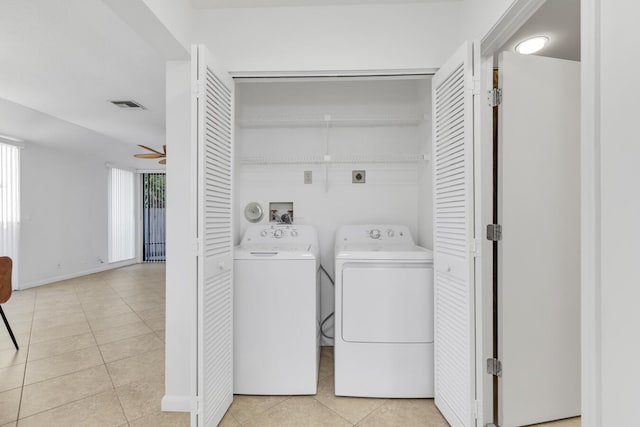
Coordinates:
(198,89)
(495,97)
(494,232)
(494,367)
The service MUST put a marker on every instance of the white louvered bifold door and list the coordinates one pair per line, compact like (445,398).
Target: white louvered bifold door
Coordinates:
(213,94)
(453,236)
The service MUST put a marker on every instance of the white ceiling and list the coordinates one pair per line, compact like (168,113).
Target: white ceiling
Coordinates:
(203,4)
(560,21)
(68,58)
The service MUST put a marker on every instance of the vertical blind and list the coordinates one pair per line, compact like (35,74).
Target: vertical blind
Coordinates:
(154,217)
(121,215)
(10,205)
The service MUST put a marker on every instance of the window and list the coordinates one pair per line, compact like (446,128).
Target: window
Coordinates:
(153,217)
(10,204)
(121,215)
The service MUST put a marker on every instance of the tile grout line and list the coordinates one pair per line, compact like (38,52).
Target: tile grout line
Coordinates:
(106,368)
(266,410)
(91,330)
(145,352)
(335,412)
(136,313)
(25,372)
(26,359)
(66,403)
(104,363)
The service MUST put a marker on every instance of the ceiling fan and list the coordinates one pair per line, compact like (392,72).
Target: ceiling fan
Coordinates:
(154,154)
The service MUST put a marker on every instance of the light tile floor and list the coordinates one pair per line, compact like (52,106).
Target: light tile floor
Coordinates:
(92,354)
(326,409)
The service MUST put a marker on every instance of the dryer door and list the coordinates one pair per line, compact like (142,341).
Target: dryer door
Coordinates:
(387,303)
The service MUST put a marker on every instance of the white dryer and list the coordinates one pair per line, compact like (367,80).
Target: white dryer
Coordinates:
(276,308)
(383,313)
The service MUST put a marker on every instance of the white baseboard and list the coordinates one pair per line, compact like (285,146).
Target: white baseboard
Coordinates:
(54,279)
(176,403)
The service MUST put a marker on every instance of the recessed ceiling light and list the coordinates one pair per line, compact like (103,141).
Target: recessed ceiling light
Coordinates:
(531,45)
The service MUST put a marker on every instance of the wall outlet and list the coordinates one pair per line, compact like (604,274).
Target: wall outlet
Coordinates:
(308,177)
(358,177)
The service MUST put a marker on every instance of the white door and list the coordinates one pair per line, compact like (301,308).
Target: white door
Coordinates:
(454,284)
(539,255)
(213,128)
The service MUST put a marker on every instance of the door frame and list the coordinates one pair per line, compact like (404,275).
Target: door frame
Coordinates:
(513,19)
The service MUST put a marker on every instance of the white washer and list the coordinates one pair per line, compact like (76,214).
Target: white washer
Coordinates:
(276,307)
(384,313)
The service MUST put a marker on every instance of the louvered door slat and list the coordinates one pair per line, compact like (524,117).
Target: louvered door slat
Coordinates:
(453,233)
(215,273)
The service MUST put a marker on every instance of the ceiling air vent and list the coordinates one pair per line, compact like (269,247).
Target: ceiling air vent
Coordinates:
(128,105)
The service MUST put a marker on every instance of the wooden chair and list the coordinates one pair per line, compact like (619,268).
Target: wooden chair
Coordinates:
(6,265)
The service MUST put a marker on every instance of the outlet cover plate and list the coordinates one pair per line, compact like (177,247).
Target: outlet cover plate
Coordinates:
(308,177)
(358,176)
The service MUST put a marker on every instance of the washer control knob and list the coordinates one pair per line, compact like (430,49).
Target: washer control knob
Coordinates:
(294,233)
(391,233)
(278,234)
(263,233)
(374,234)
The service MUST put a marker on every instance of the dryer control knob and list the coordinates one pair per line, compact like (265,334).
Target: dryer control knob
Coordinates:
(391,233)
(294,233)
(374,234)
(263,233)
(278,234)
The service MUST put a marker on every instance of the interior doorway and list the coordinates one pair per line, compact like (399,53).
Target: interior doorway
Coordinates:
(534,193)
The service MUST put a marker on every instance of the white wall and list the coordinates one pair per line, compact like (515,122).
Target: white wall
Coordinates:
(176,16)
(181,276)
(481,15)
(64,215)
(612,207)
(391,194)
(425,179)
(63,195)
(353,37)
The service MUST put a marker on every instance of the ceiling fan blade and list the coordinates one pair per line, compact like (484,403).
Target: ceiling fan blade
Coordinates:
(163,162)
(150,149)
(164,148)
(148,156)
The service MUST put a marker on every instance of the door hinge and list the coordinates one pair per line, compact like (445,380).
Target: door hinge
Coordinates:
(495,97)
(197,246)
(195,404)
(478,409)
(198,89)
(475,248)
(474,86)
(494,232)
(494,367)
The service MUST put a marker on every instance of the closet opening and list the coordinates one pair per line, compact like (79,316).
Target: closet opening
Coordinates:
(342,150)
